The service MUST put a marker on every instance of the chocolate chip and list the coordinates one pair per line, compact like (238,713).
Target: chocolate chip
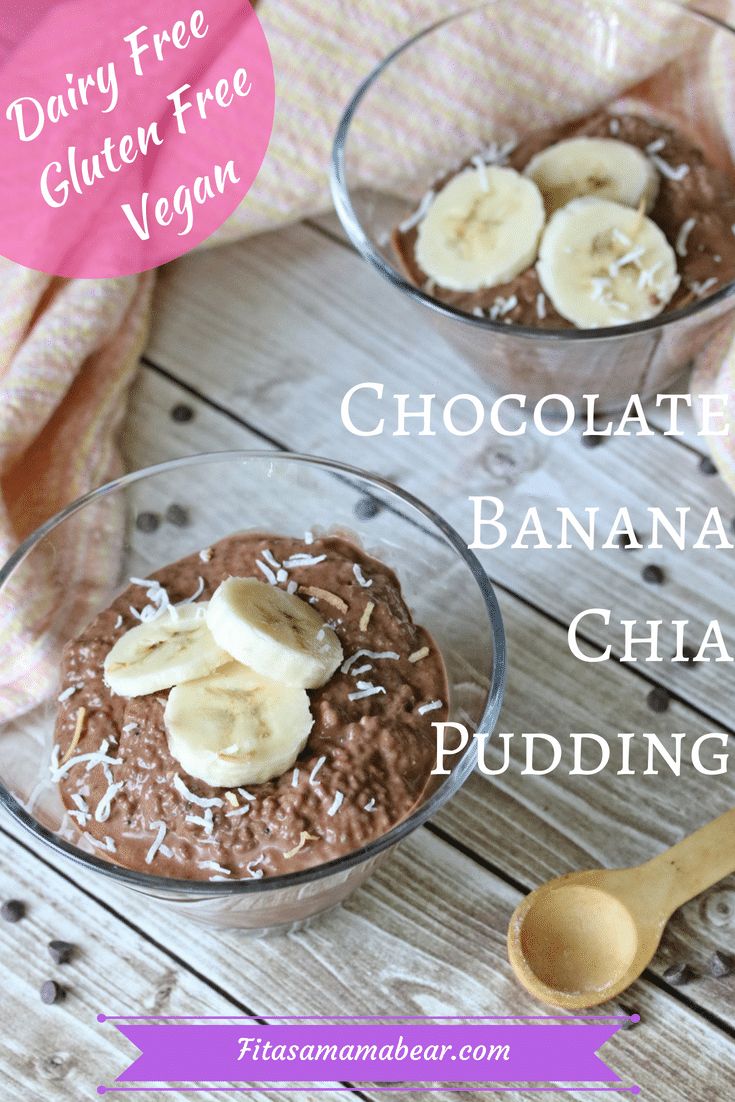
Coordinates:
(678,975)
(182,414)
(178,515)
(706,465)
(625,542)
(367,508)
(592,441)
(147,522)
(658,700)
(721,964)
(51,992)
(12,911)
(654,575)
(60,951)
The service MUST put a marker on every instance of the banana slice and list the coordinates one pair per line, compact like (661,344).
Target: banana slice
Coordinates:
(603,264)
(275,633)
(151,657)
(481,230)
(234,727)
(599,167)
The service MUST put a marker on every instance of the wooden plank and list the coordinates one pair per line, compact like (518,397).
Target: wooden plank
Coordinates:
(549,825)
(61,1052)
(279,328)
(426,935)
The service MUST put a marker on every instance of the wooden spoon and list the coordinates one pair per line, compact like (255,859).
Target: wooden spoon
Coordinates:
(583,938)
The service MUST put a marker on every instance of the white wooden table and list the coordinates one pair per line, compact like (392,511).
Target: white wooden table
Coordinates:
(261,340)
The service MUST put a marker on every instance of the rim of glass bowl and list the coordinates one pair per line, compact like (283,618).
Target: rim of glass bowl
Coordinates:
(497,676)
(353,227)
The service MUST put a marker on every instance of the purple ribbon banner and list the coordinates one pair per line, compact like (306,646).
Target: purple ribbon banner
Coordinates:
(481,1051)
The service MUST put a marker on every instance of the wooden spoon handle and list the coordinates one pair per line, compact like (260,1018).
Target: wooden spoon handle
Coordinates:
(697,862)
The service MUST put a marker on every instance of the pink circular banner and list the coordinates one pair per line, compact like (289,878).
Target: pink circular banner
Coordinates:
(129,131)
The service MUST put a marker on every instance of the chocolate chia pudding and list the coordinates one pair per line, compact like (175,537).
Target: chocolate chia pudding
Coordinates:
(365,766)
(694,207)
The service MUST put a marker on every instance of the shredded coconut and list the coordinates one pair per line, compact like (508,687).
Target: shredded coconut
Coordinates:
(326,595)
(370,805)
(161,828)
(304,837)
(431,707)
(361,579)
(375,655)
(417,655)
(102,814)
(204,821)
(646,278)
(683,237)
(196,595)
(237,813)
(419,213)
(365,618)
(67,693)
(77,735)
(295,778)
(269,575)
(503,306)
(365,689)
(497,153)
(336,803)
(107,843)
(541,305)
(302,559)
(271,559)
(159,601)
(200,801)
(82,814)
(253,871)
(701,289)
(656,146)
(96,757)
(631,257)
(481,167)
(315,770)
(215,867)
(206,554)
(676,174)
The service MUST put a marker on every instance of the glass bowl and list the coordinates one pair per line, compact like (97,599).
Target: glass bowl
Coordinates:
(493,74)
(76,564)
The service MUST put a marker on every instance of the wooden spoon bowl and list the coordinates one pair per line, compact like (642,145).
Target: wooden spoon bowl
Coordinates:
(581,939)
